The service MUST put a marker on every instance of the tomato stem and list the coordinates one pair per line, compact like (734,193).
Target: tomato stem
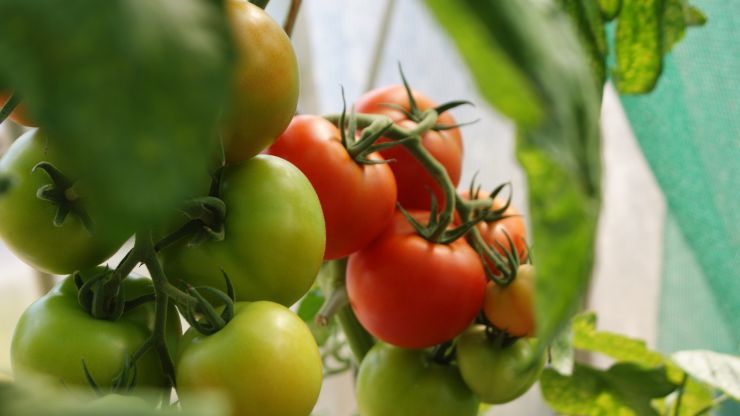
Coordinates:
(9,106)
(295,6)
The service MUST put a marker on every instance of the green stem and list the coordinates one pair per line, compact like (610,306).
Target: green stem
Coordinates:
(681,389)
(161,304)
(358,339)
(9,106)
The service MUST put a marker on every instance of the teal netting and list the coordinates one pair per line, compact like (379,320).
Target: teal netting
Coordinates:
(689,131)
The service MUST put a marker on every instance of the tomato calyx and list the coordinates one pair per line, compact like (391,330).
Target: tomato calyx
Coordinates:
(61,193)
(122,383)
(201,315)
(431,230)
(415,114)
(100,295)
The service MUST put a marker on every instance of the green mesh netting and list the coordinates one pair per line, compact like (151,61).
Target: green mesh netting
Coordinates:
(689,130)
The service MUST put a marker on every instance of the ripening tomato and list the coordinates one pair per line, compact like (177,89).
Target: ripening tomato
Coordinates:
(357,200)
(264,361)
(55,334)
(414,182)
(266,84)
(511,308)
(497,373)
(413,293)
(394,381)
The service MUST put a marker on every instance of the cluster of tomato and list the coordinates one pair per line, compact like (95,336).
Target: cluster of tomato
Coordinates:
(448,334)
(324,190)
(264,359)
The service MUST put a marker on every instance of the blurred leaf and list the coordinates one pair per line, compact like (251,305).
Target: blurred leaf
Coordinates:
(694,398)
(561,154)
(488,58)
(617,346)
(623,389)
(562,355)
(721,371)
(638,46)
(695,17)
(587,18)
(609,8)
(131,89)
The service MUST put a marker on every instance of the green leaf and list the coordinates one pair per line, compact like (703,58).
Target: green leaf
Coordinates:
(617,346)
(498,78)
(624,389)
(674,22)
(131,89)
(695,17)
(562,354)
(561,154)
(694,398)
(588,21)
(638,46)
(310,304)
(610,8)
(720,371)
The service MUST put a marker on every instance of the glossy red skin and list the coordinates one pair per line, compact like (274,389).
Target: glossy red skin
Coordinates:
(412,293)
(446,146)
(358,201)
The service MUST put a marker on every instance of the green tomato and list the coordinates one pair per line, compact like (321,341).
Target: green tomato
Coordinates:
(264,361)
(497,374)
(275,235)
(55,334)
(395,381)
(26,222)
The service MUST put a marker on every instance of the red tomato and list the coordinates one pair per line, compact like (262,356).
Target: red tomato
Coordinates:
(414,183)
(412,293)
(358,201)
(495,232)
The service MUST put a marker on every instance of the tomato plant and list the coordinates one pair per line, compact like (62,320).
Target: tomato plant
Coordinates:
(414,182)
(497,373)
(266,84)
(395,381)
(358,200)
(55,333)
(510,308)
(27,222)
(265,361)
(274,235)
(411,292)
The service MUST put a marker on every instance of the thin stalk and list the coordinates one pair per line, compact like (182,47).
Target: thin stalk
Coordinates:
(295,6)
(358,339)
(9,106)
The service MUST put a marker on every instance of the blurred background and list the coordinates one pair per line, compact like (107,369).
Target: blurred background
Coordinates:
(668,248)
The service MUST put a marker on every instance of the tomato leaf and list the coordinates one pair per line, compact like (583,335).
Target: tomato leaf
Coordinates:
(131,89)
(488,58)
(638,46)
(588,21)
(720,371)
(625,389)
(562,354)
(617,346)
